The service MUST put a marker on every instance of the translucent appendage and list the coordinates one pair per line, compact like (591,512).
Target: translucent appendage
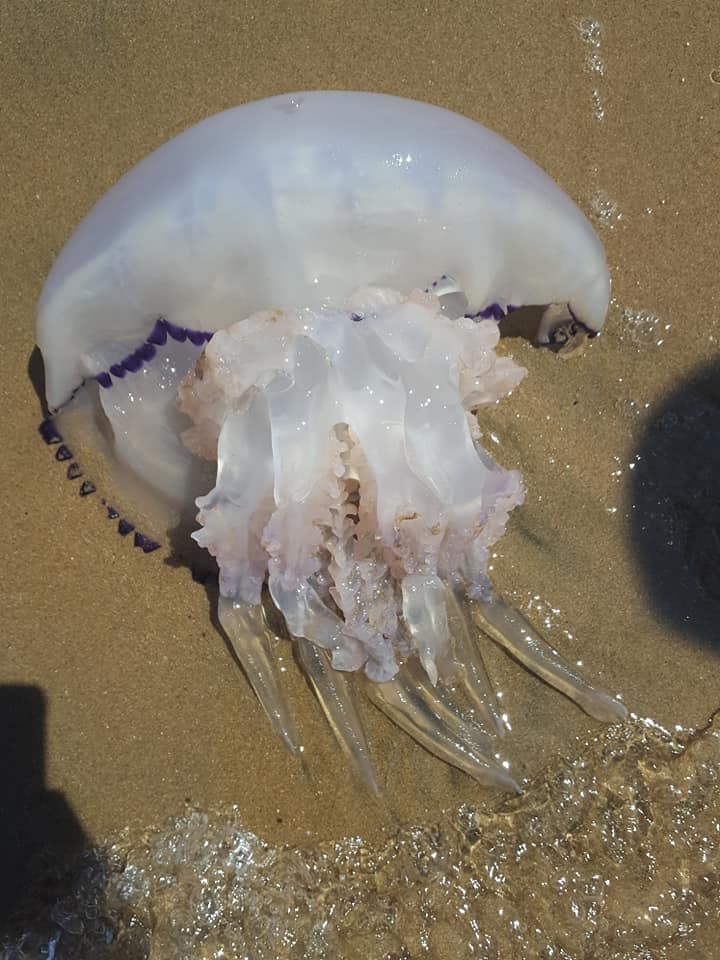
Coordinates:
(470,663)
(425,617)
(425,714)
(512,631)
(333,691)
(249,636)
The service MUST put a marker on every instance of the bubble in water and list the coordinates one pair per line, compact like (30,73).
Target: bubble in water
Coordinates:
(643,327)
(604,210)
(590,32)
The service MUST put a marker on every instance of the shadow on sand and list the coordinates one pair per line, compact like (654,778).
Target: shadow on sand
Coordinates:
(52,884)
(675,507)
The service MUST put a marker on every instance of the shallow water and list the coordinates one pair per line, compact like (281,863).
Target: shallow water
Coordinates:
(611,854)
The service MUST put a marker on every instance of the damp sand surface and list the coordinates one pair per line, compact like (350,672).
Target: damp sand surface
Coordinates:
(126,711)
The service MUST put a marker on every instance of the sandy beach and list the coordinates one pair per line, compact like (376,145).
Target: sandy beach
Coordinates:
(123,706)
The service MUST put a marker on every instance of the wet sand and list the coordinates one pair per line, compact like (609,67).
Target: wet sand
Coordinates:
(616,548)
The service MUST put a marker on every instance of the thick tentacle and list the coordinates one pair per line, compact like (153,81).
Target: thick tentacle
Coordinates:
(512,631)
(424,713)
(445,709)
(249,636)
(425,617)
(307,616)
(333,691)
(470,662)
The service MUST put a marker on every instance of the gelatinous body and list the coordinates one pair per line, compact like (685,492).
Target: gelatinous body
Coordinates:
(297,289)
(301,197)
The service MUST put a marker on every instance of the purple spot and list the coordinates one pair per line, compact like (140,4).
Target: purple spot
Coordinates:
(48,432)
(125,527)
(177,333)
(159,333)
(62,453)
(112,513)
(209,334)
(494,310)
(511,308)
(104,379)
(356,317)
(74,471)
(132,363)
(197,337)
(117,370)
(86,488)
(145,543)
(147,351)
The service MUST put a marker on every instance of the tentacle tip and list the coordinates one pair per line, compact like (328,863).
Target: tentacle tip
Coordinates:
(601,706)
(282,724)
(503,780)
(369,780)
(610,711)
(362,767)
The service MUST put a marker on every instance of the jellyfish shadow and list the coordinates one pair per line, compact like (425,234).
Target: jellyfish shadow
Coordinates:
(675,508)
(36,376)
